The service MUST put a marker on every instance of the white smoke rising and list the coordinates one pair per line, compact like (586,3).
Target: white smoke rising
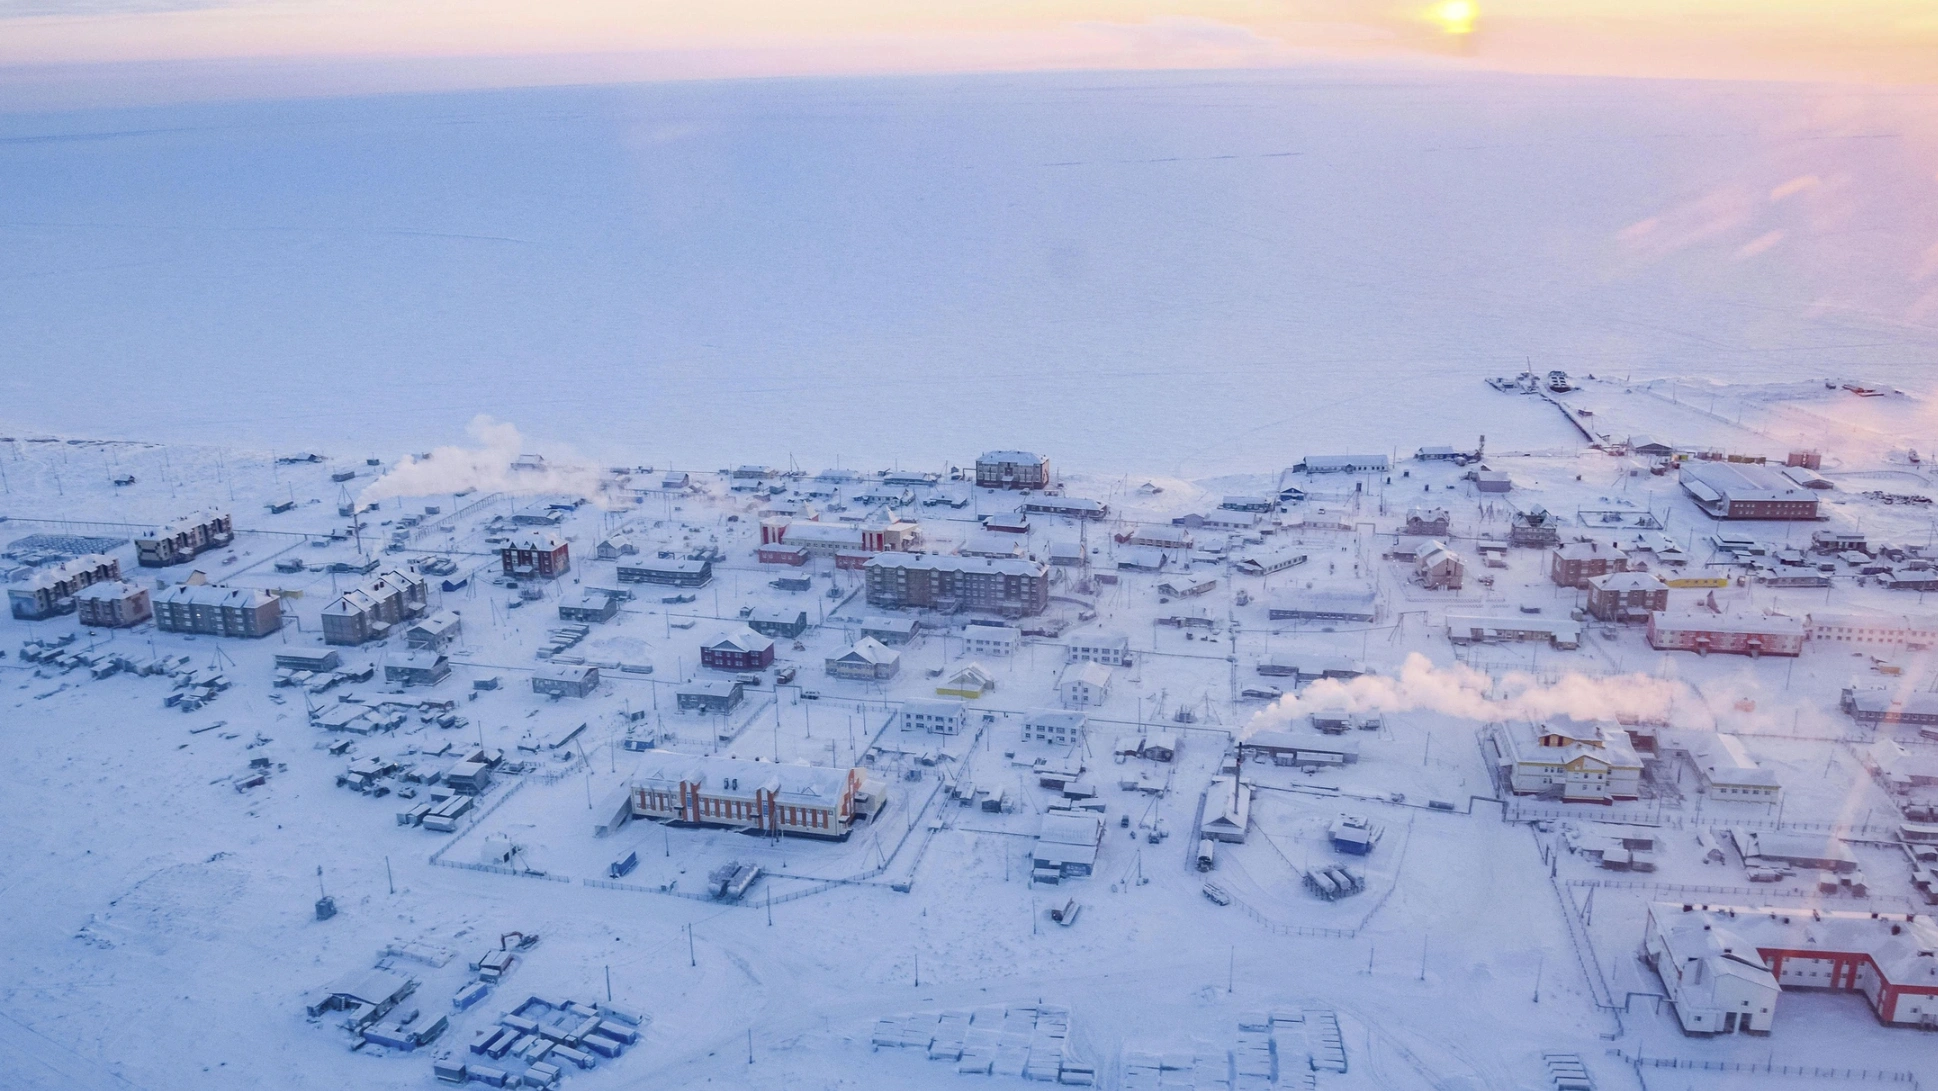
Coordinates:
(1470,694)
(486,468)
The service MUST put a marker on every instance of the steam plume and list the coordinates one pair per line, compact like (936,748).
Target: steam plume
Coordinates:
(486,468)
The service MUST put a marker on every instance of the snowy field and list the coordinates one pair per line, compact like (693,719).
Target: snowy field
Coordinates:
(1174,286)
(1179,273)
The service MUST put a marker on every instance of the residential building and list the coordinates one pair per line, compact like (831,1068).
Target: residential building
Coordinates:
(1065,554)
(184,539)
(1626,596)
(938,716)
(565,680)
(1512,628)
(1264,505)
(50,591)
(741,650)
(1737,634)
(1153,536)
(1344,464)
(369,610)
(1879,630)
(436,632)
(1325,606)
(1185,585)
(1575,563)
(1427,523)
(535,555)
(1582,762)
(592,607)
(984,543)
(1074,507)
(1876,706)
(990,640)
(934,581)
(772,797)
(866,660)
(1012,470)
(891,630)
(615,547)
(1436,567)
(1889,958)
(1012,522)
(1084,685)
(968,682)
(782,554)
(780,622)
(1731,490)
(1264,564)
(1240,522)
(715,697)
(1110,649)
(213,610)
(113,604)
(422,667)
(671,572)
(1059,727)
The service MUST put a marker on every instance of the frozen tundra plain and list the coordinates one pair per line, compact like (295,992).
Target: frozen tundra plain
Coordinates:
(1189,281)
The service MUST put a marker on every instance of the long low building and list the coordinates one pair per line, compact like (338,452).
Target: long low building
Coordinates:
(810,800)
(1724,966)
(1476,629)
(1735,634)
(1730,490)
(1875,629)
(212,610)
(1325,606)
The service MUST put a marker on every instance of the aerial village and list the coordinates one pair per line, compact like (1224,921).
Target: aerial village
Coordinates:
(1679,696)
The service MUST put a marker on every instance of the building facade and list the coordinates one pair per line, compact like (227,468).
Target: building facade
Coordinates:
(184,539)
(1012,470)
(1626,596)
(1584,762)
(814,801)
(669,572)
(741,651)
(1574,564)
(1733,634)
(50,591)
(1730,490)
(212,610)
(1013,588)
(371,609)
(113,604)
(538,555)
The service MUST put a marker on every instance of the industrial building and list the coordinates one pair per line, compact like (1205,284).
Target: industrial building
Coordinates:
(50,591)
(815,801)
(1012,470)
(1724,965)
(1736,634)
(535,555)
(1581,762)
(934,581)
(184,539)
(1731,490)
(213,610)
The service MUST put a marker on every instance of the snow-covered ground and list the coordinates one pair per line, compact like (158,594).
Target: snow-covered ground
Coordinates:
(1175,286)
(868,271)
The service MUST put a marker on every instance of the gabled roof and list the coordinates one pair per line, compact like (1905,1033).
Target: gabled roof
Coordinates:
(741,640)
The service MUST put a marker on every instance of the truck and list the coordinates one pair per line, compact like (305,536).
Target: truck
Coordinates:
(1207,854)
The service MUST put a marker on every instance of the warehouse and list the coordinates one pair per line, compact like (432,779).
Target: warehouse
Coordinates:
(1730,490)
(807,800)
(1325,606)
(1736,634)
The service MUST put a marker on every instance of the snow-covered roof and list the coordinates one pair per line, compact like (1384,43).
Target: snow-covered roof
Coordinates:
(1018,457)
(942,562)
(741,640)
